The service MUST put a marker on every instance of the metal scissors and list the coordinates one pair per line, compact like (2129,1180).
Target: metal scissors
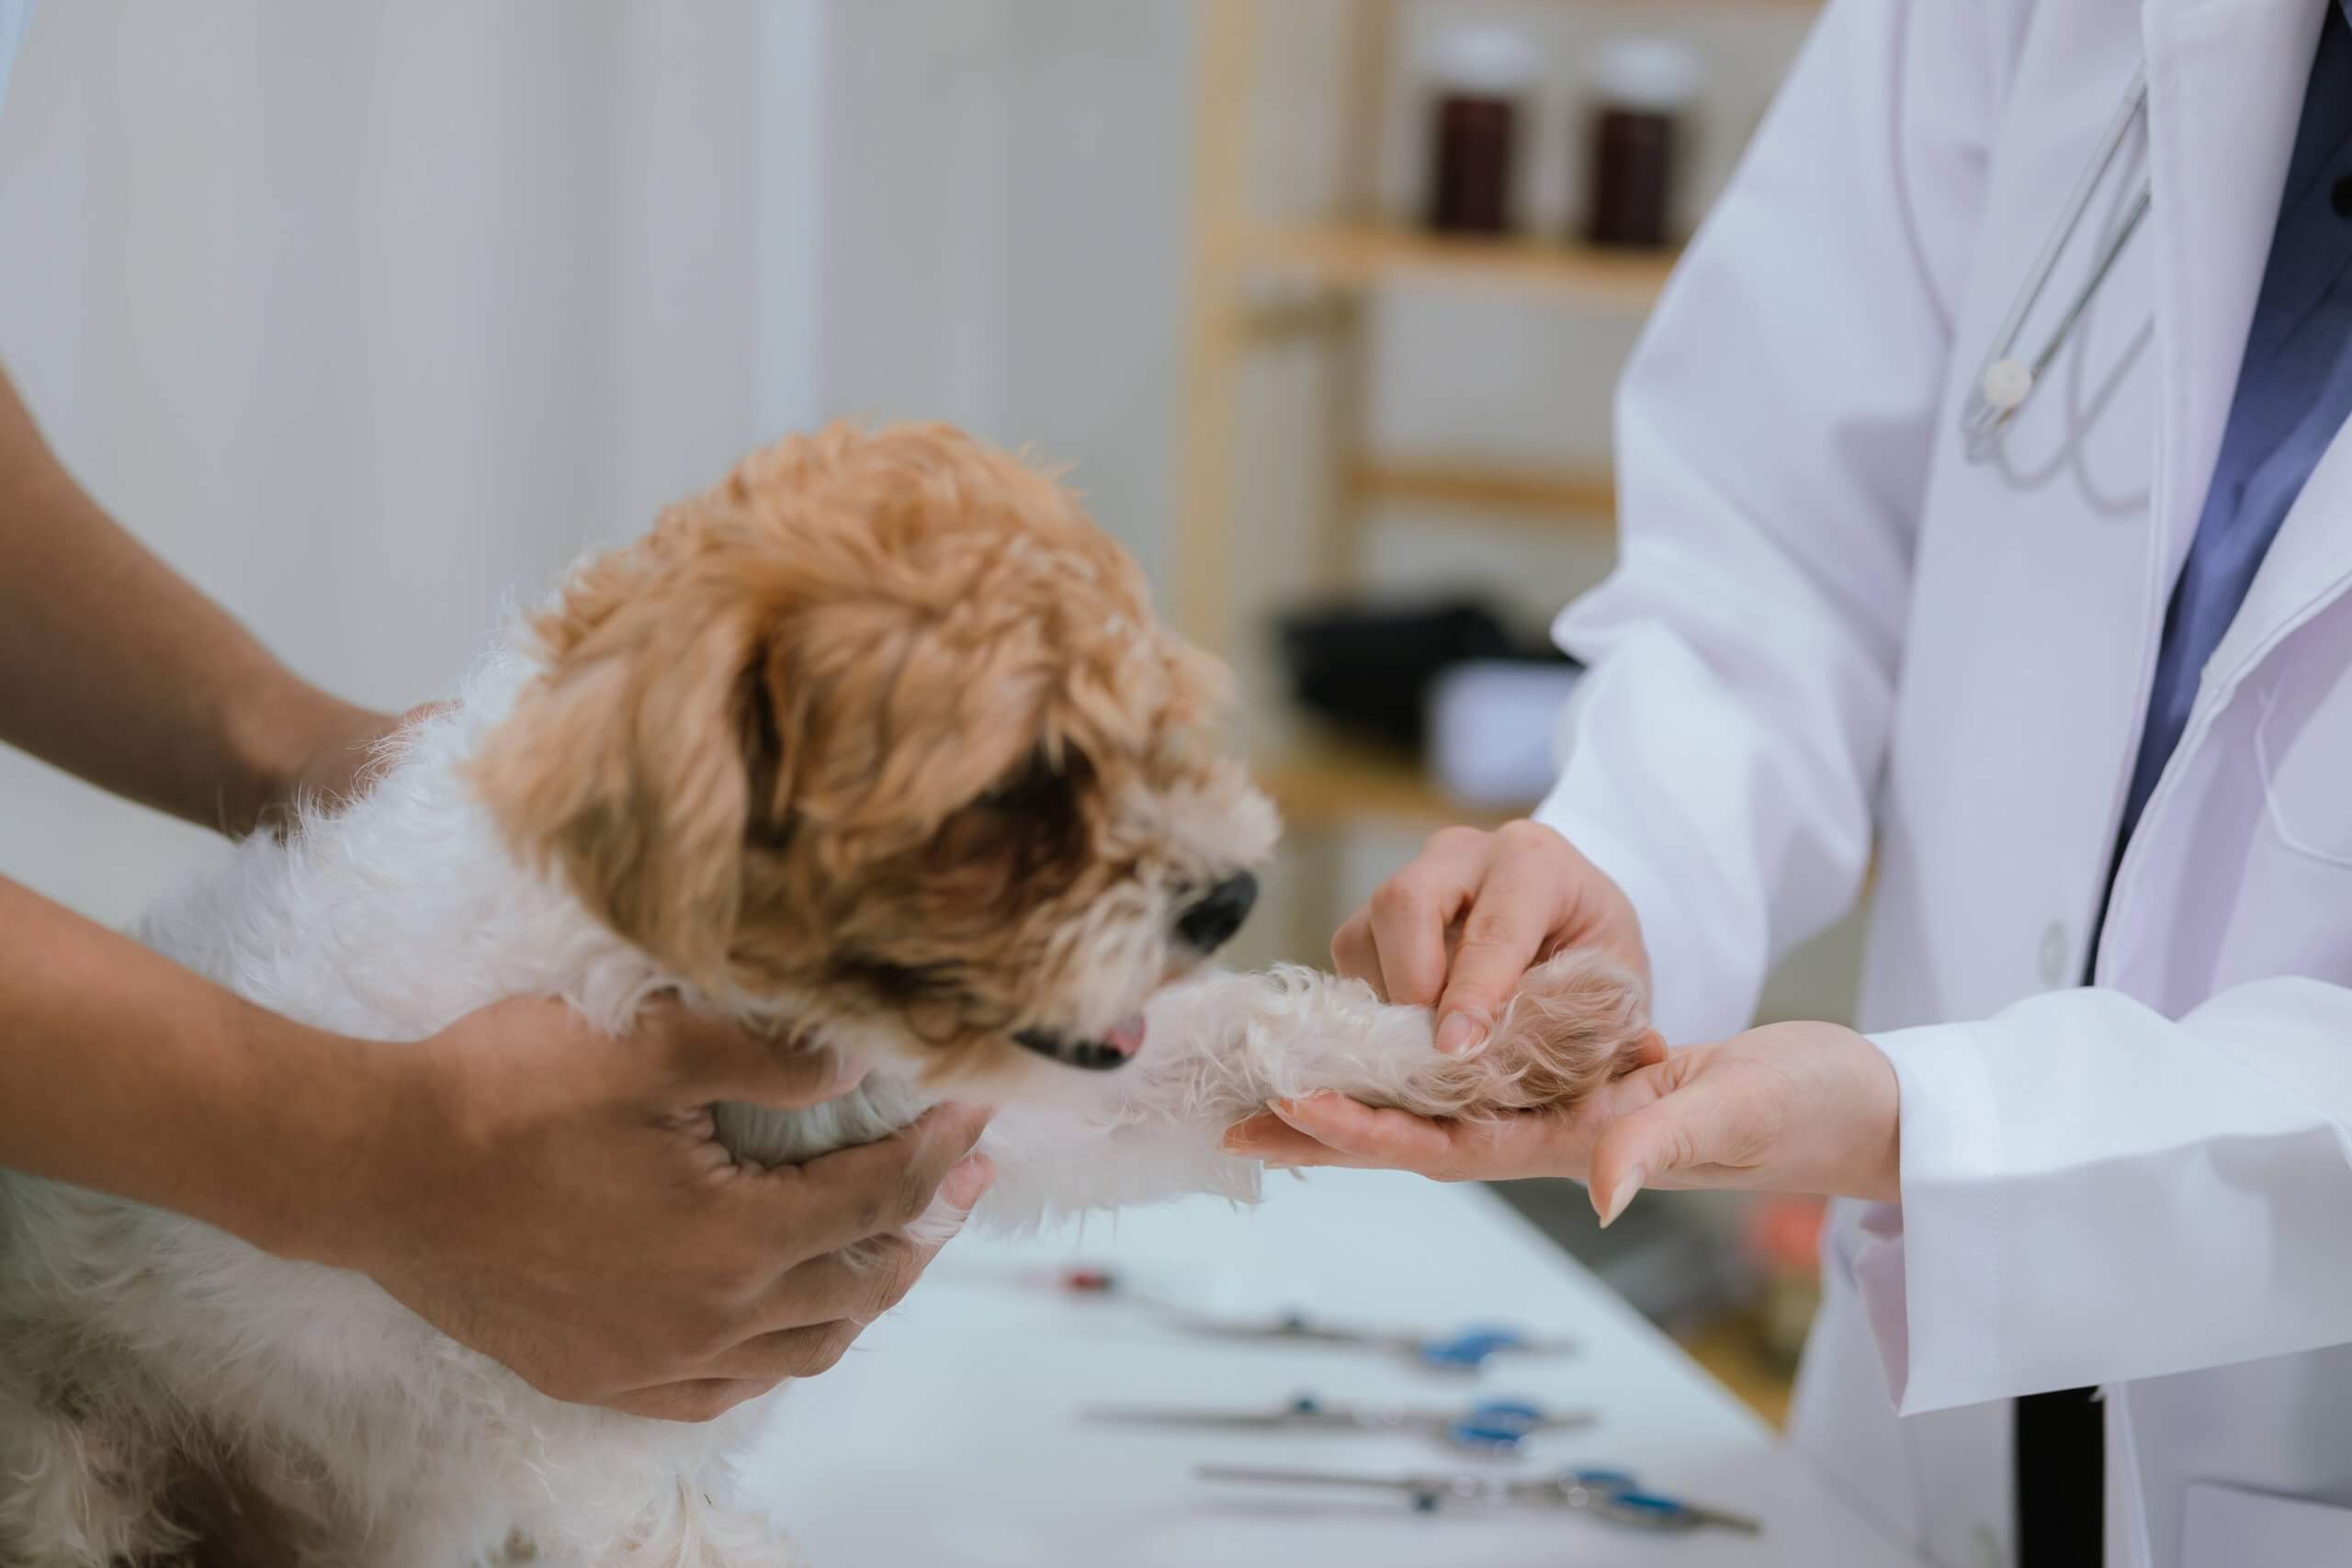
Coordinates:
(1464,1350)
(1609,1495)
(1497,1427)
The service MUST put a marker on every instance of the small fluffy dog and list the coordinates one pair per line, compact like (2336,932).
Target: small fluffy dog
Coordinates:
(878,739)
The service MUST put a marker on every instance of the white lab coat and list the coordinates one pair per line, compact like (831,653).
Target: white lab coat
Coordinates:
(1828,631)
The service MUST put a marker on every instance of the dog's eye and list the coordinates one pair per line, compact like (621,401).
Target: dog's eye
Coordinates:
(1031,828)
(1039,789)
(900,982)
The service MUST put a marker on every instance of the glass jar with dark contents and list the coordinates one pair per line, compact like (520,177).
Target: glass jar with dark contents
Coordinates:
(1643,90)
(1481,77)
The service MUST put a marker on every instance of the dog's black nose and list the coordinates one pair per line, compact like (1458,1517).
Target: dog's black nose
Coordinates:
(1210,924)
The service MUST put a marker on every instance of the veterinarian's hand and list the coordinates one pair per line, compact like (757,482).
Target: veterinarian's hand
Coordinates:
(1788,1108)
(555,1198)
(1458,927)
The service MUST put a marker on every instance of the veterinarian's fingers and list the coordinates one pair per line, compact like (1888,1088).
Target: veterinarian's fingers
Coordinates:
(1395,1139)
(1353,955)
(1270,1140)
(1663,1143)
(1410,911)
(870,1190)
(714,1059)
(1508,923)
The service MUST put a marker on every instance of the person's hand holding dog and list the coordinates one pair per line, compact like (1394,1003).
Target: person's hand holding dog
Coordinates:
(1793,1107)
(556,1197)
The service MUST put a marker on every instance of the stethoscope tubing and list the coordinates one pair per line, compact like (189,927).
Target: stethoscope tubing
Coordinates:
(1986,415)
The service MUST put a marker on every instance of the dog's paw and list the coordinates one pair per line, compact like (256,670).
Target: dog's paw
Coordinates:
(1576,1021)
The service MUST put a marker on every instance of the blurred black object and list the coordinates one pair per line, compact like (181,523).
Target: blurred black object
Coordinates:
(1367,669)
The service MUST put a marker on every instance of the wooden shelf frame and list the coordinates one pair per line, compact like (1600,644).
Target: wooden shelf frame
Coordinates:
(1256,282)
(1583,499)
(1374,255)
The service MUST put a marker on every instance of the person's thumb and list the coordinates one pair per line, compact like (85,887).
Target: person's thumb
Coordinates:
(966,1185)
(1683,1129)
(1486,972)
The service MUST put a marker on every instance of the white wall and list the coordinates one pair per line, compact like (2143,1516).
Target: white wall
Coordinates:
(1006,230)
(365,315)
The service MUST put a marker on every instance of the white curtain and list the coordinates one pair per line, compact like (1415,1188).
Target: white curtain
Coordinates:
(366,315)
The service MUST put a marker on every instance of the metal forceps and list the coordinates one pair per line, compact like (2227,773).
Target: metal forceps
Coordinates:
(1494,1427)
(1464,1350)
(1609,1495)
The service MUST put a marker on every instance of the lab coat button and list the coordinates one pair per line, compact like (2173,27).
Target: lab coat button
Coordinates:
(2053,955)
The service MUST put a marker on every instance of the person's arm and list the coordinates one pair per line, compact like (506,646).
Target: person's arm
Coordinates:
(120,672)
(552,1196)
(2043,1176)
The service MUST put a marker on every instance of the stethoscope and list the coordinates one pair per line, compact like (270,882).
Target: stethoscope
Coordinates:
(2006,382)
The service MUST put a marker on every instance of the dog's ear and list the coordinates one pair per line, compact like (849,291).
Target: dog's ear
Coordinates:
(633,765)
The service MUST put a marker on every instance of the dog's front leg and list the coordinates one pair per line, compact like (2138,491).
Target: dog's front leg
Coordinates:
(1218,1048)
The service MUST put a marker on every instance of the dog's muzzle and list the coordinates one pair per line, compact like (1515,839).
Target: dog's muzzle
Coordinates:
(1115,1049)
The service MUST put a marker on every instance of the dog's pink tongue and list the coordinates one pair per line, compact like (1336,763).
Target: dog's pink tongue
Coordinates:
(1127,1039)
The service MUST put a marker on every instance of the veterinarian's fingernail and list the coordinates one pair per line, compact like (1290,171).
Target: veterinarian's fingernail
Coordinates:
(1286,1110)
(1460,1034)
(967,1181)
(1625,1190)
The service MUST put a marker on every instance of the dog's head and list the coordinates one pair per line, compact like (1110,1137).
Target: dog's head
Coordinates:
(881,735)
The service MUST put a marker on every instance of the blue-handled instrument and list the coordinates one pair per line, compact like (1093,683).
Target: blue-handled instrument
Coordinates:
(1496,1427)
(1609,1495)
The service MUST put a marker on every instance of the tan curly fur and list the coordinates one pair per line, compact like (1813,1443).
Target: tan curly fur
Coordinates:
(882,724)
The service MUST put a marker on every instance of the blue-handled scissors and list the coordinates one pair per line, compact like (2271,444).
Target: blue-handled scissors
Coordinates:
(1463,1350)
(1610,1495)
(1497,1427)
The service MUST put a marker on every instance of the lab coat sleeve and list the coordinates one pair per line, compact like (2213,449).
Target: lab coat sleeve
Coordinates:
(2094,1193)
(1773,431)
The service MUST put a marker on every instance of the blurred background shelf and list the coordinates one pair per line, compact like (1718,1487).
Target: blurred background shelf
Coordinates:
(1367,256)
(1323,784)
(1495,492)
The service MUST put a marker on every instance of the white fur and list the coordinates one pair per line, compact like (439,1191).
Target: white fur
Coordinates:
(131,1338)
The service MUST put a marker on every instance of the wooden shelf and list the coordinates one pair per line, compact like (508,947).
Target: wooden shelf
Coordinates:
(1341,255)
(1323,785)
(1586,498)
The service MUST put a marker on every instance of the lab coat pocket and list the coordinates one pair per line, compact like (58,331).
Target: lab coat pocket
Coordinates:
(2228,1527)
(2303,742)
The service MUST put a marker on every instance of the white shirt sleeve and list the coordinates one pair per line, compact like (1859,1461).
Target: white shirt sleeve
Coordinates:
(1773,431)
